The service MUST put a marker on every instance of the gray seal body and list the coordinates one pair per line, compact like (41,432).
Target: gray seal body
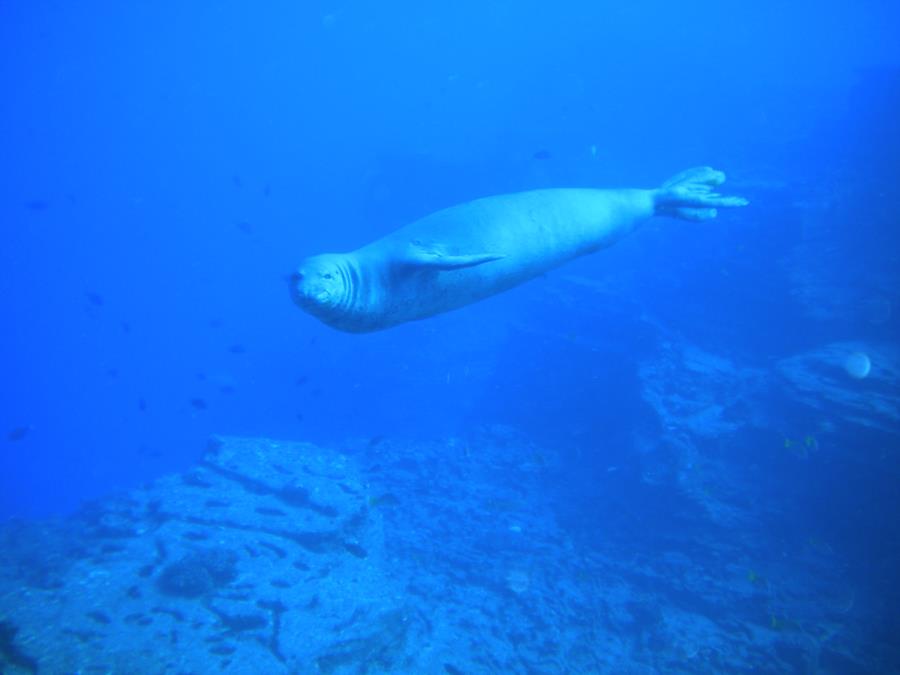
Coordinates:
(462,254)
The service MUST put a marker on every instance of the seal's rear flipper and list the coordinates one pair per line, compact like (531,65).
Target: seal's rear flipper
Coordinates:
(689,195)
(433,257)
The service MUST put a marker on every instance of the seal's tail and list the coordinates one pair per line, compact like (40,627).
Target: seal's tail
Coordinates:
(689,195)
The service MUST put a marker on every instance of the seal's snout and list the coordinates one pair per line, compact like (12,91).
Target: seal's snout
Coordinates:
(318,285)
(310,288)
(297,287)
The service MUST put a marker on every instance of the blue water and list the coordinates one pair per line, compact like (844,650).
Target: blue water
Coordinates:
(165,165)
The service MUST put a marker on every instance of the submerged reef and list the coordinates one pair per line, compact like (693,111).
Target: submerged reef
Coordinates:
(199,572)
(451,556)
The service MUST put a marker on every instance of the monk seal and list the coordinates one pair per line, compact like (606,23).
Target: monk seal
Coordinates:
(468,252)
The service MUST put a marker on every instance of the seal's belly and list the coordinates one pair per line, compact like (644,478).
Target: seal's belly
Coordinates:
(533,232)
(433,292)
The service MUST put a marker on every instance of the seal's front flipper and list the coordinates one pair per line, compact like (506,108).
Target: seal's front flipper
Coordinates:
(432,256)
(689,195)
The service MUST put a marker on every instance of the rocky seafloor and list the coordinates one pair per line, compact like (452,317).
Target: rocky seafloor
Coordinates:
(387,556)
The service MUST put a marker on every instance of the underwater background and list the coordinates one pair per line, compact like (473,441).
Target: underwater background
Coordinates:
(680,454)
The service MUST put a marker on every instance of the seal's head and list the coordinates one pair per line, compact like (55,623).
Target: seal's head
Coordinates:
(323,286)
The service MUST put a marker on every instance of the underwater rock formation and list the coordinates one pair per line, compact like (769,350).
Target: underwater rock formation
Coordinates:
(199,572)
(11,652)
(392,556)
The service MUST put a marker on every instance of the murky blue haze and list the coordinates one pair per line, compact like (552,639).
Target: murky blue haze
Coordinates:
(690,441)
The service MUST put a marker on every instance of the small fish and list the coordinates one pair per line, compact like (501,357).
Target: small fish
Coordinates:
(237,182)
(299,417)
(245,227)
(199,403)
(18,433)
(375,440)
(142,404)
(237,349)
(147,451)
(226,389)
(99,617)
(112,372)
(754,578)
(95,299)
(355,549)
(542,154)
(126,326)
(267,190)
(386,499)
(301,380)
(37,205)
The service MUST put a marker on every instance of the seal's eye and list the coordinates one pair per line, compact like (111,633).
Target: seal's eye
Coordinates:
(327,276)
